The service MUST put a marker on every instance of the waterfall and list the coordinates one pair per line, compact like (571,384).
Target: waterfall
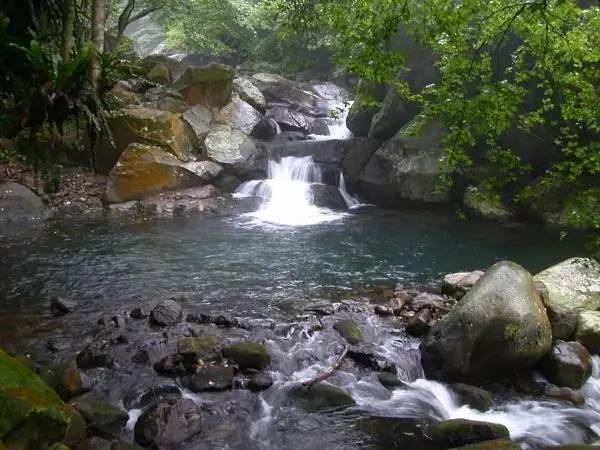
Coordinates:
(287,196)
(337,125)
(351,202)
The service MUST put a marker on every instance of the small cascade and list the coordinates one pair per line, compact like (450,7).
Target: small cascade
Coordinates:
(337,125)
(351,201)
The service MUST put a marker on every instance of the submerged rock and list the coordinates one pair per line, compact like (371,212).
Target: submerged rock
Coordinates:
(568,364)
(349,330)
(61,306)
(573,286)
(473,396)
(588,330)
(211,379)
(102,418)
(260,382)
(320,397)
(167,312)
(497,329)
(248,355)
(65,379)
(167,426)
(495,444)
(19,204)
(462,431)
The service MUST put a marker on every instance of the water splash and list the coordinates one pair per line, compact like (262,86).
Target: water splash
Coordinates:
(351,201)
(337,125)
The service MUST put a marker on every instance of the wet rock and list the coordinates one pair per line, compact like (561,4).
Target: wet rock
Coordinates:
(160,73)
(250,93)
(362,112)
(349,330)
(94,355)
(211,379)
(428,300)
(210,85)
(573,287)
(389,380)
(181,202)
(260,382)
(266,129)
(366,356)
(142,356)
(418,325)
(564,394)
(167,312)
(248,355)
(76,430)
(102,418)
(196,349)
(319,127)
(473,396)
(458,284)
(568,364)
(232,149)
(19,204)
(497,329)
(325,309)
(320,397)
(60,306)
(239,115)
(167,426)
(462,431)
(227,322)
(94,443)
(200,118)
(588,330)
(494,444)
(172,365)
(137,314)
(141,397)
(384,311)
(486,205)
(66,380)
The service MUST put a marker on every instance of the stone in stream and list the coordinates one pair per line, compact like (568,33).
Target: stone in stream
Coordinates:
(473,396)
(60,306)
(497,329)
(389,380)
(211,379)
(573,287)
(94,443)
(102,418)
(349,330)
(94,355)
(168,426)
(141,396)
(568,364)
(564,394)
(172,366)
(167,312)
(428,300)
(234,150)
(320,397)
(19,204)
(588,330)
(495,444)
(365,354)
(458,284)
(265,129)
(462,431)
(384,311)
(418,325)
(66,380)
(195,349)
(260,382)
(248,355)
(239,115)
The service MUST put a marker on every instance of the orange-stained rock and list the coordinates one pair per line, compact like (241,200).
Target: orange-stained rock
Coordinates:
(147,126)
(145,170)
(210,85)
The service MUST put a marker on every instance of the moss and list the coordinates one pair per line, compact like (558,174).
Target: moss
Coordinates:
(248,355)
(349,330)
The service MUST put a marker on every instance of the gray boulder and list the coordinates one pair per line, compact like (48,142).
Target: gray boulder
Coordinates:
(588,330)
(497,329)
(320,397)
(167,312)
(200,119)
(459,283)
(102,418)
(180,203)
(569,364)
(234,150)
(211,379)
(364,107)
(326,196)
(239,115)
(462,431)
(250,93)
(18,204)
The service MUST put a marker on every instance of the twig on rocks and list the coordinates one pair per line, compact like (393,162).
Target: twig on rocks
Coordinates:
(329,372)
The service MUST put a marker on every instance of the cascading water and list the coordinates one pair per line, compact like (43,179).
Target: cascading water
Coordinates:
(287,195)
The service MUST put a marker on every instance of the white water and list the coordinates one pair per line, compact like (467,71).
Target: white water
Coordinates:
(351,201)
(337,126)
(287,195)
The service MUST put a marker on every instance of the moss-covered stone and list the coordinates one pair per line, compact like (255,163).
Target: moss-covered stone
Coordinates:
(102,418)
(210,85)
(248,355)
(486,205)
(349,330)
(160,73)
(65,379)
(320,397)
(462,431)
(29,408)
(495,444)
(365,106)
(588,330)
(195,349)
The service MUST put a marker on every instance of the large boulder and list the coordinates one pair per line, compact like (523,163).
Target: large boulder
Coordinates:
(19,204)
(147,126)
(573,286)
(569,364)
(239,115)
(144,171)
(248,355)
(200,119)
(210,85)
(405,168)
(31,413)
(180,203)
(234,150)
(365,106)
(588,330)
(320,397)
(102,418)
(462,431)
(250,94)
(497,329)
(167,312)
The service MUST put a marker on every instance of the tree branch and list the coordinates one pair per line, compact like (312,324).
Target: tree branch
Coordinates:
(329,372)
(143,13)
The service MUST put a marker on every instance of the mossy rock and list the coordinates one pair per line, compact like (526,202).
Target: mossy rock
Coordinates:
(495,444)
(320,397)
(102,418)
(160,73)
(588,330)
(65,379)
(28,406)
(349,330)
(462,431)
(248,355)
(486,205)
(194,349)
(365,106)
(210,85)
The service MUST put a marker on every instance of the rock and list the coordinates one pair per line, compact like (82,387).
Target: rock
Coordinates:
(18,204)
(366,356)
(588,331)
(239,115)
(428,300)
(65,379)
(326,196)
(250,94)
(497,329)
(94,443)
(160,73)
(494,444)
(320,397)
(147,126)
(181,202)
(196,349)
(362,111)
(123,446)
(102,418)
(211,379)
(168,426)
(473,396)
(289,120)
(357,157)
(76,430)
(142,397)
(462,431)
(200,119)
(172,64)
(61,306)
(568,364)
(94,355)
(458,284)
(564,394)
(170,104)
(260,382)
(172,366)
(319,127)
(142,356)
(418,325)
(406,168)
(210,85)
(167,312)
(248,355)
(395,112)
(144,171)
(349,330)
(383,311)
(573,286)
(486,205)
(389,380)
(231,148)
(137,314)
(28,406)
(265,129)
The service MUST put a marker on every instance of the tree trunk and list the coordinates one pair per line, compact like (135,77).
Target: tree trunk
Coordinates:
(124,21)
(98,23)
(68,28)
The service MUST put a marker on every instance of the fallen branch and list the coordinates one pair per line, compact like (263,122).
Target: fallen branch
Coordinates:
(329,372)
